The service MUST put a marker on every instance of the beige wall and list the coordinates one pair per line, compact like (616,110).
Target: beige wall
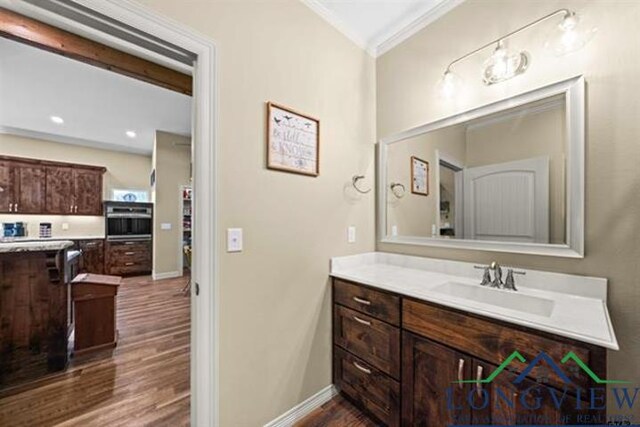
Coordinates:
(275,318)
(124,170)
(405,97)
(414,214)
(533,135)
(172,163)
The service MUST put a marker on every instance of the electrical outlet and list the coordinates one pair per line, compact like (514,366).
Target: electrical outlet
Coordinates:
(165,226)
(394,230)
(351,234)
(65,226)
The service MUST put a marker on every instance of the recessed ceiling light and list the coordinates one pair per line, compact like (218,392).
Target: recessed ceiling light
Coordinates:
(131,134)
(57,120)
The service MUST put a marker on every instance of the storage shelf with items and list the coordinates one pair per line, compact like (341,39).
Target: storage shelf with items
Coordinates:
(187,211)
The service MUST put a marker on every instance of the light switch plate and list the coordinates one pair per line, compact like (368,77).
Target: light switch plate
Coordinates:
(394,230)
(234,240)
(165,226)
(351,234)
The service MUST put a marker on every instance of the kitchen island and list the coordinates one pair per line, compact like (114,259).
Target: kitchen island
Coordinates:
(35,309)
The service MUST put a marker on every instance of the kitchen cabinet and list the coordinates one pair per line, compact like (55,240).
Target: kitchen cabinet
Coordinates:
(28,188)
(87,196)
(6,186)
(31,186)
(438,346)
(92,260)
(59,194)
(128,257)
(22,187)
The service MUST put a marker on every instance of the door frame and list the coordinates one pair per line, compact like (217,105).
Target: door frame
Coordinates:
(204,307)
(457,166)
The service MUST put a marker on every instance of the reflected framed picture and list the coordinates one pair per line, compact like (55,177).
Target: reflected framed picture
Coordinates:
(419,176)
(293,141)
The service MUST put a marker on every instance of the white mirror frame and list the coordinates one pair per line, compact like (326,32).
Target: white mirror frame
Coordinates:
(574,91)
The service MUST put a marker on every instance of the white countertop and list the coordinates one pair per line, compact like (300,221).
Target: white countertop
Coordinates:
(579,302)
(36,246)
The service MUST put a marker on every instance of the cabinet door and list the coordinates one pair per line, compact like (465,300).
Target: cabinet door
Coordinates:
(501,402)
(92,256)
(430,396)
(88,191)
(29,188)
(6,186)
(59,190)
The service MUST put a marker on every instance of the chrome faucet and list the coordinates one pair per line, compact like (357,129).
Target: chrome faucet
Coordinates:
(509,283)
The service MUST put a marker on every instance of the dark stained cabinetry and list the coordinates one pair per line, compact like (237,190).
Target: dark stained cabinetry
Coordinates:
(92,260)
(128,258)
(441,346)
(22,187)
(43,187)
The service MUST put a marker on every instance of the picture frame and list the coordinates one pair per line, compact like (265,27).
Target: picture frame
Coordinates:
(293,141)
(419,176)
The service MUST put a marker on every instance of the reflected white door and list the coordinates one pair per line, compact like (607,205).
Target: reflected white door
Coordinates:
(508,201)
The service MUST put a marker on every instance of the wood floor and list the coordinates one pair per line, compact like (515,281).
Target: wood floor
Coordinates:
(145,381)
(338,412)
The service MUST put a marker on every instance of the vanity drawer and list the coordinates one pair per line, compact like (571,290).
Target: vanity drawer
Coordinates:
(374,341)
(494,342)
(367,386)
(377,304)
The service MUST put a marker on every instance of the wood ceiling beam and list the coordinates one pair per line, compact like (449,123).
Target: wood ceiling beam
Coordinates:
(38,34)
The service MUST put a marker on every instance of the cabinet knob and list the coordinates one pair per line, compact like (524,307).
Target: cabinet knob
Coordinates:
(15,208)
(10,207)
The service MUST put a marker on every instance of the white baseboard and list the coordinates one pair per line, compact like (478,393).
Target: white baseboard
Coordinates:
(167,275)
(303,409)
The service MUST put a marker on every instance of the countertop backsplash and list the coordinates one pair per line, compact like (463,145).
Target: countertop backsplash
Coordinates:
(78,226)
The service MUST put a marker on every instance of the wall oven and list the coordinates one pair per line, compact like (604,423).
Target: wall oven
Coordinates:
(125,220)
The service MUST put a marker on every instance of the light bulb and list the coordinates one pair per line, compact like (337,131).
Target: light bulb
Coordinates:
(449,85)
(504,64)
(569,35)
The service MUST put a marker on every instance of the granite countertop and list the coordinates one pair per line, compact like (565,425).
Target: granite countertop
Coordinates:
(48,239)
(576,305)
(34,246)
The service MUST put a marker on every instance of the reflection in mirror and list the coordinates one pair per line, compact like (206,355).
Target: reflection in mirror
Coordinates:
(500,177)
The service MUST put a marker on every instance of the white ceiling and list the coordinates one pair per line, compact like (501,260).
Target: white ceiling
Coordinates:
(98,106)
(379,25)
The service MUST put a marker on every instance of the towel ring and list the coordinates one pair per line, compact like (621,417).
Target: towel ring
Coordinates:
(393,187)
(354,182)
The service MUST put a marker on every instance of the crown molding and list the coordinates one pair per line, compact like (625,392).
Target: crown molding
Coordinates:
(390,38)
(45,136)
(337,23)
(394,38)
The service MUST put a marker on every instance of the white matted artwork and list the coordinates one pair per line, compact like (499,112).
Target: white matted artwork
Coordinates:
(419,176)
(293,141)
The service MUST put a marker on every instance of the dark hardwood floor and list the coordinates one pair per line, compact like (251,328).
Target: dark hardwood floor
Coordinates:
(338,412)
(144,382)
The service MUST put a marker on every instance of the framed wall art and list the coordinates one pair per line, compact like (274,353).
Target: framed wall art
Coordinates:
(293,141)
(419,176)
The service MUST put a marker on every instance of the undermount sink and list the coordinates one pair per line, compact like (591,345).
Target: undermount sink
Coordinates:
(500,298)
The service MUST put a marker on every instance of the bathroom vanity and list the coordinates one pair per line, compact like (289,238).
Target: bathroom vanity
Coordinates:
(418,341)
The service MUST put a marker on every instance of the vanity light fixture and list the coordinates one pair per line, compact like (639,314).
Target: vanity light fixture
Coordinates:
(504,64)
(57,120)
(131,134)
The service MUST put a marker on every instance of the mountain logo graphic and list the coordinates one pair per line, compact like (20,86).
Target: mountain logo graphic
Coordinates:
(543,357)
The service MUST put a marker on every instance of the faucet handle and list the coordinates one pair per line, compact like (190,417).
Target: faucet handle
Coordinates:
(510,282)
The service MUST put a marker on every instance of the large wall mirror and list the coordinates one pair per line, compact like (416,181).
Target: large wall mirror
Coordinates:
(508,176)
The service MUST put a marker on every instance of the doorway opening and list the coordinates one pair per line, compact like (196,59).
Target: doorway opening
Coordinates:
(194,258)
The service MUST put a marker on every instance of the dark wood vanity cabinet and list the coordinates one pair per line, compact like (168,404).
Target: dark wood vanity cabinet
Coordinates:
(32,186)
(385,342)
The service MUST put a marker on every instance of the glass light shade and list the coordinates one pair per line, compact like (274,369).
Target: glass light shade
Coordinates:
(504,64)
(569,35)
(449,85)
